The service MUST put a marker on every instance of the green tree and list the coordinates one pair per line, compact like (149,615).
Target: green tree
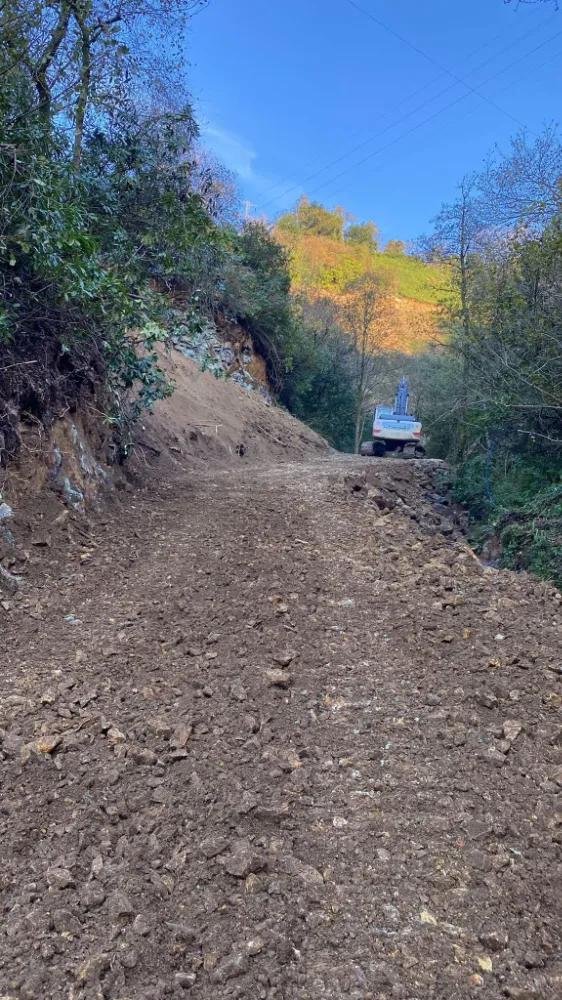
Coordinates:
(362,234)
(360,314)
(314,218)
(80,54)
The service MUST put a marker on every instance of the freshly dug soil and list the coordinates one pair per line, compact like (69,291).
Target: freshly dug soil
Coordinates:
(275,733)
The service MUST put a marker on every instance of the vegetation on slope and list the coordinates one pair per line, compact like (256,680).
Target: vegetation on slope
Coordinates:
(492,399)
(110,212)
(328,252)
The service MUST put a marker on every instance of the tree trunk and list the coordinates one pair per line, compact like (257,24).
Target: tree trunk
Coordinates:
(358,425)
(83,94)
(41,68)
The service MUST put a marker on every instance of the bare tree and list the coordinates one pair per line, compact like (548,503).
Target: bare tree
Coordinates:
(523,185)
(360,318)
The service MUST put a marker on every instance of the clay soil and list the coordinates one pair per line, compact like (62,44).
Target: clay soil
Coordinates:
(274,732)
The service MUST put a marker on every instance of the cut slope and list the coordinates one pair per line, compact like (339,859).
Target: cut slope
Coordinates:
(212,419)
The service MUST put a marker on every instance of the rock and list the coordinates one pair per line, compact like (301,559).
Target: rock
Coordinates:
(65,922)
(185,980)
(255,946)
(129,958)
(494,939)
(59,878)
(39,920)
(278,678)
(275,812)
(392,914)
(93,968)
(290,865)
(356,483)
(142,755)
(213,846)
(49,743)
(493,756)
(115,735)
(487,699)
(12,745)
(556,776)
(231,967)
(120,909)
(246,803)
(141,925)
(433,699)
(181,932)
(383,854)
(511,729)
(159,728)
(238,691)
(41,539)
(533,960)
(284,659)
(244,860)
(180,736)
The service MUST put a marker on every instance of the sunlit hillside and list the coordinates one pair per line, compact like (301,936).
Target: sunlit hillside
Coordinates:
(327,255)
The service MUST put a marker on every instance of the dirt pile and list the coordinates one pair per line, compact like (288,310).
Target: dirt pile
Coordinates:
(215,420)
(275,734)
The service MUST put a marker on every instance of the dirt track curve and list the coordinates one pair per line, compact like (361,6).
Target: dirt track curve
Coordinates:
(295,743)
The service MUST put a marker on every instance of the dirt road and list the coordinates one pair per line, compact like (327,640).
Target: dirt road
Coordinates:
(267,735)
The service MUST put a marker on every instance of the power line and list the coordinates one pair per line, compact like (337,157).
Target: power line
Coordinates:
(430,59)
(436,114)
(554,58)
(408,115)
(405,100)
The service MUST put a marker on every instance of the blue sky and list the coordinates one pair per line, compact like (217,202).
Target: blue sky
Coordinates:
(283,88)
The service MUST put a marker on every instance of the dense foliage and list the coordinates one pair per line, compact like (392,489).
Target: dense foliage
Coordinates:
(110,214)
(492,400)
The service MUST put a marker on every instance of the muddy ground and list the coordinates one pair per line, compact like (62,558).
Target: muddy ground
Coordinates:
(276,733)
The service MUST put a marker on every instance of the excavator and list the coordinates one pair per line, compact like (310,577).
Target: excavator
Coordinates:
(394,429)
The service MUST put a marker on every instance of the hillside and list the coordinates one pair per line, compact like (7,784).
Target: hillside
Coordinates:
(326,258)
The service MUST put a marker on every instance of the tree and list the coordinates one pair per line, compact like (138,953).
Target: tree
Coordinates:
(80,53)
(522,186)
(458,235)
(360,313)
(314,218)
(362,234)
(395,247)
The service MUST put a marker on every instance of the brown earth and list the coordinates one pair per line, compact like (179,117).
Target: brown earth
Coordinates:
(214,420)
(295,742)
